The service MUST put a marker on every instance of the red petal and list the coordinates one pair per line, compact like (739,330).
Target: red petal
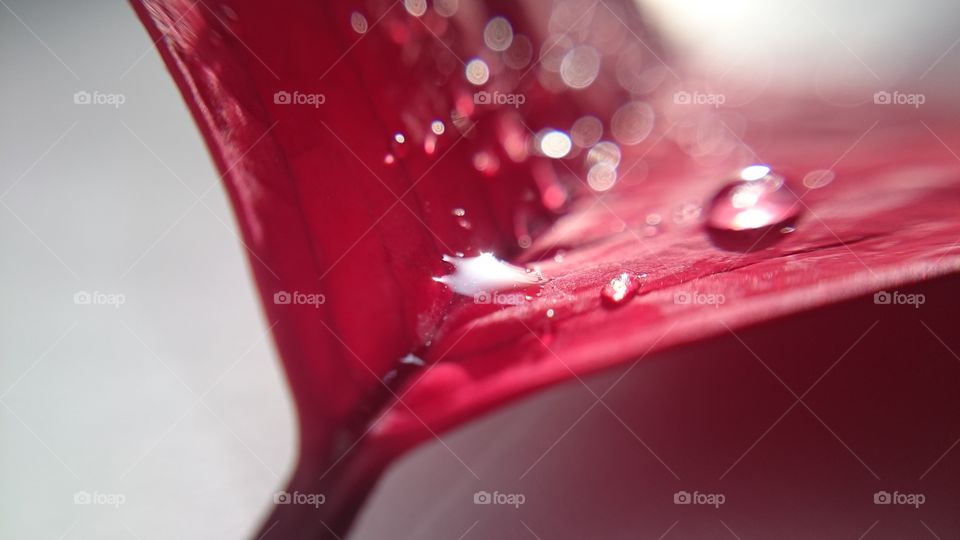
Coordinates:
(323,213)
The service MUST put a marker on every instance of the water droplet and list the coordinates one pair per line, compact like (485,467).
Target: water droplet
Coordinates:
(486,273)
(580,66)
(620,289)
(604,152)
(586,131)
(498,34)
(550,313)
(632,122)
(459,212)
(413,360)
(415,7)
(437,127)
(748,209)
(818,179)
(602,176)
(687,213)
(519,54)
(446,8)
(555,144)
(389,159)
(399,138)
(477,72)
(359,23)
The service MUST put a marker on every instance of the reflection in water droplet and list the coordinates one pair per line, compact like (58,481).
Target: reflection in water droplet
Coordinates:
(620,289)
(477,72)
(748,209)
(415,7)
(498,34)
(359,23)
(632,122)
(437,127)
(586,131)
(550,313)
(520,52)
(818,179)
(486,273)
(555,144)
(602,176)
(580,66)
(446,8)
(459,212)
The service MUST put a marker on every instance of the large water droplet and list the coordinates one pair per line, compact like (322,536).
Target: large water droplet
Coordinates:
(620,289)
(746,210)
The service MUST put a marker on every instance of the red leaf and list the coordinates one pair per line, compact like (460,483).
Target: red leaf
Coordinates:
(331,203)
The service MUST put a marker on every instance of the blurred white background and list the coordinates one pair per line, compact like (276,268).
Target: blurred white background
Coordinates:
(107,399)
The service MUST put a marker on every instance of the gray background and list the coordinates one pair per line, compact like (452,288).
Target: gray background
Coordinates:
(100,398)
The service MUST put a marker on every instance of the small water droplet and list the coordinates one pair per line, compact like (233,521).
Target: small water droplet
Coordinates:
(437,127)
(477,72)
(550,313)
(746,209)
(818,179)
(359,23)
(602,176)
(555,144)
(498,34)
(586,131)
(620,289)
(415,7)
(413,360)
(399,138)
(459,212)
(389,159)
